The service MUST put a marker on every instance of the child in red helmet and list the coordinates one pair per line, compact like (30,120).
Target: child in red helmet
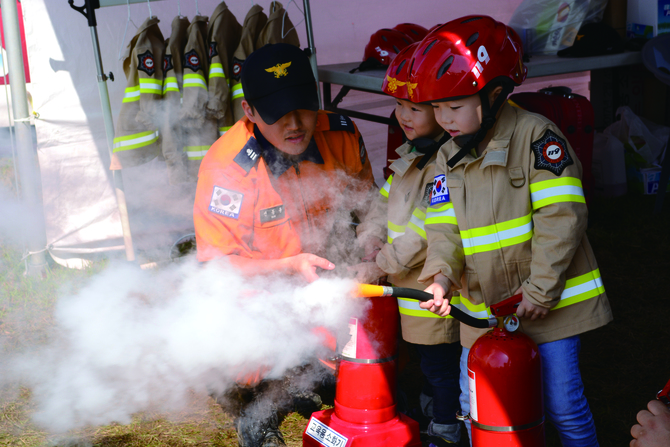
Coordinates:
(394,238)
(507,212)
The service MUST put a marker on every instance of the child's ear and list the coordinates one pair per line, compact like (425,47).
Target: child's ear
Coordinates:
(493,94)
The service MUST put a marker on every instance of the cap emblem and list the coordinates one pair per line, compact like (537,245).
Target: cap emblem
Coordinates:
(279,70)
(410,88)
(393,84)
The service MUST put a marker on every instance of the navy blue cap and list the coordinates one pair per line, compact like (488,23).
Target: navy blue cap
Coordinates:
(278,79)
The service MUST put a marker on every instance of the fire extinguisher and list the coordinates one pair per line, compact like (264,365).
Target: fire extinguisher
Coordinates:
(505,375)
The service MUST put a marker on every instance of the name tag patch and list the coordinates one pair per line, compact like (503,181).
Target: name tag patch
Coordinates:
(551,153)
(226,202)
(272,214)
(440,192)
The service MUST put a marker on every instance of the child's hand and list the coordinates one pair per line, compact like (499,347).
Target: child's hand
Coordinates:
(527,309)
(438,305)
(371,247)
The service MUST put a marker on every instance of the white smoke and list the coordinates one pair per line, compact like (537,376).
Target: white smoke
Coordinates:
(131,340)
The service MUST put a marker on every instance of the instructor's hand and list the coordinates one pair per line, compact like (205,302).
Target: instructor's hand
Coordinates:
(305,264)
(653,428)
(439,288)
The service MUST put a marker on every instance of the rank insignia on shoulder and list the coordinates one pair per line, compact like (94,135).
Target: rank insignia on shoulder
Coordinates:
(425,200)
(272,214)
(551,153)
(249,155)
(192,60)
(146,63)
(225,202)
(341,122)
(439,192)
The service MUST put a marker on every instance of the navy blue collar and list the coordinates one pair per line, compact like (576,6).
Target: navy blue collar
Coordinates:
(278,162)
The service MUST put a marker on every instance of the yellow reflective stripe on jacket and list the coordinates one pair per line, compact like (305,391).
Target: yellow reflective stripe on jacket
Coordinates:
(195,80)
(443,214)
(196,152)
(135,141)
(497,236)
(416,222)
(132,94)
(216,71)
(581,288)
(384,191)
(153,86)
(410,307)
(394,231)
(223,130)
(474,310)
(170,85)
(568,189)
(237,91)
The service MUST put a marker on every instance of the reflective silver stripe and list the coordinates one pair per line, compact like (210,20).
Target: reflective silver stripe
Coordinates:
(387,187)
(394,234)
(131,93)
(496,237)
(124,143)
(194,80)
(508,428)
(237,91)
(196,151)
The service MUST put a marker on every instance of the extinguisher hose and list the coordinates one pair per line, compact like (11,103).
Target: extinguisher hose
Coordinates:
(372,291)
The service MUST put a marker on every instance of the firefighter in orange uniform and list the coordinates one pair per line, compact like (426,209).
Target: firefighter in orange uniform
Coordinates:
(272,188)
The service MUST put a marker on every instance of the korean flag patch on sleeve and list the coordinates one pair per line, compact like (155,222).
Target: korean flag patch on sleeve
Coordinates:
(226,202)
(440,192)
(551,153)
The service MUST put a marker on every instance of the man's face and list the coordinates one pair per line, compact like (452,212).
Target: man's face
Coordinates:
(291,134)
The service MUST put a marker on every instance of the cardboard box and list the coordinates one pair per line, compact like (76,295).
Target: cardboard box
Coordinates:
(644,180)
(647,18)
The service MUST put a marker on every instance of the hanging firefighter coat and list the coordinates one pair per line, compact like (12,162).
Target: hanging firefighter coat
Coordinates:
(516,217)
(223,36)
(398,217)
(199,130)
(172,138)
(136,138)
(253,24)
(278,29)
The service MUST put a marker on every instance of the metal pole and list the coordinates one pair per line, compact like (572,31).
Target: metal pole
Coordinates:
(109,130)
(312,48)
(28,164)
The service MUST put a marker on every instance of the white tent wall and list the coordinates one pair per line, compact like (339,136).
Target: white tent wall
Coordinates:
(80,206)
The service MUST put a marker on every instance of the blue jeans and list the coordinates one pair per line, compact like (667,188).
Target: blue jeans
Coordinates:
(565,405)
(439,364)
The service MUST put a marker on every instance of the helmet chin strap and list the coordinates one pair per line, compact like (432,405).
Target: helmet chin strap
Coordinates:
(489,113)
(428,147)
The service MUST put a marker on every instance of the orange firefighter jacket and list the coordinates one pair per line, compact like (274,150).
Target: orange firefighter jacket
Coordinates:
(253,24)
(223,36)
(171,131)
(398,217)
(516,217)
(253,202)
(278,29)
(199,130)
(136,138)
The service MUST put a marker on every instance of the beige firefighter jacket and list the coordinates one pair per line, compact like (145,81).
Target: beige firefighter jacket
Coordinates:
(400,213)
(199,130)
(516,217)
(171,129)
(253,24)
(223,36)
(136,138)
(278,29)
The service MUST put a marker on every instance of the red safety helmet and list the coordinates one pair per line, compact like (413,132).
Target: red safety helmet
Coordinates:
(462,56)
(384,45)
(414,31)
(395,82)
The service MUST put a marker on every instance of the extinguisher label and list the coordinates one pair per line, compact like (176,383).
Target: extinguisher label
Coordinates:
(349,349)
(473,394)
(325,435)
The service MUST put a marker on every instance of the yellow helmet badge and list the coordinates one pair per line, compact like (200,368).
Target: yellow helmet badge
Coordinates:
(393,84)
(279,70)
(410,88)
